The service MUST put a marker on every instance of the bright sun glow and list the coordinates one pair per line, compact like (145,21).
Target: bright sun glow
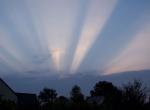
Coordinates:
(56,55)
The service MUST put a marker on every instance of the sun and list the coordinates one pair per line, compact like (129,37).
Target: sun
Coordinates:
(56,54)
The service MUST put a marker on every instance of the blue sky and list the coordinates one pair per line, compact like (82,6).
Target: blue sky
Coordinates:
(66,37)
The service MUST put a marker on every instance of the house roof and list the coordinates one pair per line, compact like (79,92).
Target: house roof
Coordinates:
(7,86)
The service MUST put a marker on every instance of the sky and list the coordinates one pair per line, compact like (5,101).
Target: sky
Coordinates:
(40,38)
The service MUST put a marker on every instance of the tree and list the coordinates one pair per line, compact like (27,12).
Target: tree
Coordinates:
(134,95)
(47,97)
(61,103)
(76,94)
(103,88)
(112,95)
(76,99)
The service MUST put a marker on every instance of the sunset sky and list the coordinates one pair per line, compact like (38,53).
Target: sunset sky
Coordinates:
(69,37)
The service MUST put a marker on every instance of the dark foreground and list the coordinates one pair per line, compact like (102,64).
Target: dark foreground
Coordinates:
(104,96)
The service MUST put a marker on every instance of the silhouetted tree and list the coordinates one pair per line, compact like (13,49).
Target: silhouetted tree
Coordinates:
(76,98)
(134,95)
(112,95)
(61,103)
(148,103)
(104,96)
(47,98)
(76,94)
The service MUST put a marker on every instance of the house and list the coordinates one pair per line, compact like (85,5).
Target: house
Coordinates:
(95,100)
(23,100)
(6,93)
(27,101)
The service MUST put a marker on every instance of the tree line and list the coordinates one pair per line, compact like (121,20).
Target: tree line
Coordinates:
(104,96)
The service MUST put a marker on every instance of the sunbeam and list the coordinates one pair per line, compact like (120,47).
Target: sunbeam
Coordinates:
(55,31)
(98,13)
(65,37)
(135,56)
(59,43)
(10,54)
